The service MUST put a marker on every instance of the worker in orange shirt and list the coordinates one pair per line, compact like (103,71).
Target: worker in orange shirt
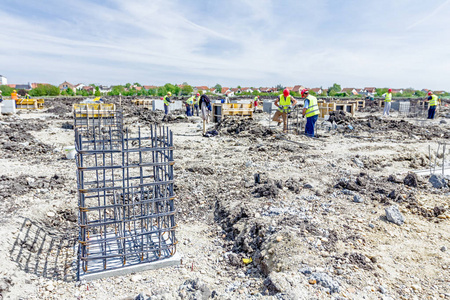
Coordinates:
(14,95)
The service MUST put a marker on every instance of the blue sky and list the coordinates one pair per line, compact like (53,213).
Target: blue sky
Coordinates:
(399,43)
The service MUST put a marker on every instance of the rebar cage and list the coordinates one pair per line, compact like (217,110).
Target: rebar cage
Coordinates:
(126,197)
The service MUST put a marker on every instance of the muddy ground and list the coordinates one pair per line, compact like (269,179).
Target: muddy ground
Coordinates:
(310,213)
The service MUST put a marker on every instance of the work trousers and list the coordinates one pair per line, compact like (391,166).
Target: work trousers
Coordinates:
(431,112)
(166,109)
(195,109)
(278,115)
(310,124)
(188,111)
(387,108)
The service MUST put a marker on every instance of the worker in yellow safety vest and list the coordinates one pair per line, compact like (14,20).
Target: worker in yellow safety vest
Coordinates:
(189,104)
(387,102)
(255,102)
(167,102)
(432,103)
(196,102)
(284,103)
(310,111)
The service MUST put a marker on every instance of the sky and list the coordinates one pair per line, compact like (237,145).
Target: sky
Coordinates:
(252,43)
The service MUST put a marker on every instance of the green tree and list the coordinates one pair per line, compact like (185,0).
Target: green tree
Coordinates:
(218,88)
(420,93)
(382,91)
(97,92)
(187,89)
(279,87)
(137,84)
(6,90)
(334,90)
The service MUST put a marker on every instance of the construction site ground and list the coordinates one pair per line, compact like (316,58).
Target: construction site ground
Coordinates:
(261,214)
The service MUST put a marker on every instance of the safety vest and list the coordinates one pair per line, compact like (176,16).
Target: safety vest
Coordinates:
(256,98)
(433,100)
(166,100)
(14,96)
(197,100)
(190,101)
(313,108)
(285,104)
(27,96)
(388,97)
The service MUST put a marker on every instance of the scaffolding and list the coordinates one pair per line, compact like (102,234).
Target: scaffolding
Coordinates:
(125,195)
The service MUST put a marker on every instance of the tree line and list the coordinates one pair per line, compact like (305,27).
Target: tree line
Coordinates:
(185,90)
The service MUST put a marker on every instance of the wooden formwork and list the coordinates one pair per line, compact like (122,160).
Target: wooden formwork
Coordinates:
(222,110)
(326,108)
(29,103)
(147,103)
(94,110)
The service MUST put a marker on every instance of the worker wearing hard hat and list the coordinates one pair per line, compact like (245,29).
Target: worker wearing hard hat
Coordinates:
(189,106)
(167,102)
(432,103)
(310,111)
(196,102)
(14,95)
(283,102)
(387,102)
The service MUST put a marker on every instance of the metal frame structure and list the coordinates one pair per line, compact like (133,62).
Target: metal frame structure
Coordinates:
(125,196)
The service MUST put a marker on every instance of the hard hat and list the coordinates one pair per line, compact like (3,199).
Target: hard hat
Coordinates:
(389,90)
(169,93)
(198,94)
(430,93)
(286,92)
(14,91)
(304,91)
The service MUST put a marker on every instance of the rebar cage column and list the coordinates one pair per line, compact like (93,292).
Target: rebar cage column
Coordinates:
(126,197)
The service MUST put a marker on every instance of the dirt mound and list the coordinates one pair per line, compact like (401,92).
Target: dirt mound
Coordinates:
(340,117)
(15,137)
(239,125)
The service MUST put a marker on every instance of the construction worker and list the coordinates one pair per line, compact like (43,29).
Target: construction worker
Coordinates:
(310,111)
(167,102)
(1,97)
(189,104)
(283,102)
(432,102)
(14,95)
(27,96)
(196,102)
(387,102)
(255,102)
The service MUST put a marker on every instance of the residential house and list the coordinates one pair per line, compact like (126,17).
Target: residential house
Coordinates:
(297,88)
(224,90)
(318,91)
(66,85)
(201,89)
(349,91)
(104,89)
(246,90)
(371,90)
(235,91)
(79,86)
(20,86)
(229,93)
(397,91)
(150,87)
(212,90)
(439,92)
(89,89)
(3,80)
(268,90)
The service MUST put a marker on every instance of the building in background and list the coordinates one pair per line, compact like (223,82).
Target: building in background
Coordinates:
(3,80)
